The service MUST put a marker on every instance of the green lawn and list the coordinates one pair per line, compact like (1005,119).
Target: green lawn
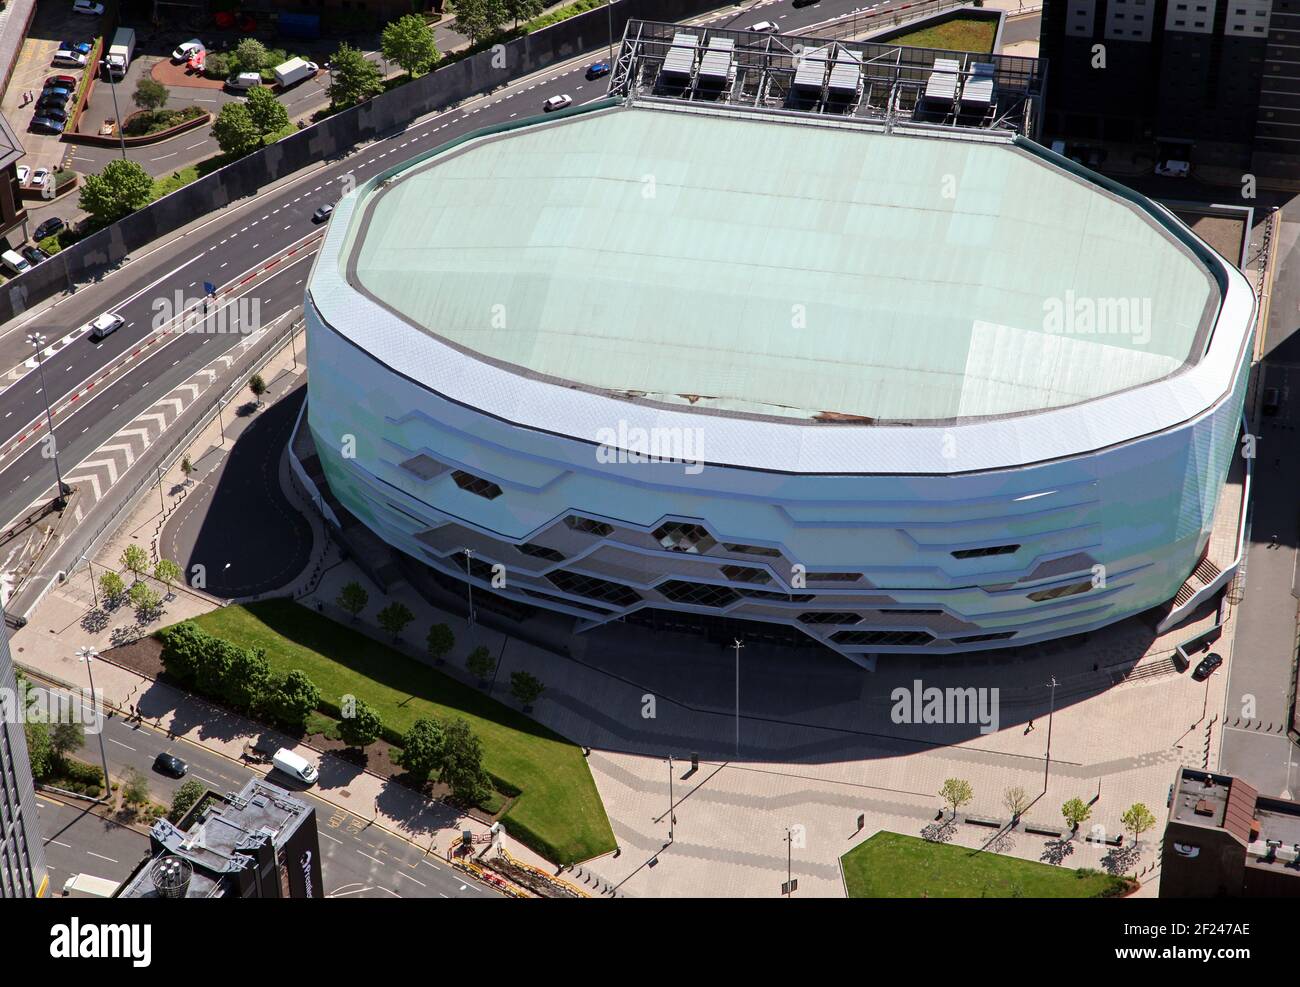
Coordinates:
(558,811)
(959,34)
(890,865)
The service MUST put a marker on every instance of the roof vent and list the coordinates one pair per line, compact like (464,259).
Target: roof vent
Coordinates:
(171,876)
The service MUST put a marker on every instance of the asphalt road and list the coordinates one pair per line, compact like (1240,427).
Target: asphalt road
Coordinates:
(358,859)
(234,240)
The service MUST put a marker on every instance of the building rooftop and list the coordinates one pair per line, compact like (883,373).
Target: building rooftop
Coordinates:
(1218,801)
(794,269)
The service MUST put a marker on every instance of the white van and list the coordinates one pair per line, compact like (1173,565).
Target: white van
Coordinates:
(244,81)
(89,886)
(14,262)
(295,766)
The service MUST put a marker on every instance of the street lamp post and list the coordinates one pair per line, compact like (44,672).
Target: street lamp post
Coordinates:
(1051,709)
(88,655)
(112,86)
(609,18)
(38,342)
(672,818)
(738,645)
(469,589)
(789,861)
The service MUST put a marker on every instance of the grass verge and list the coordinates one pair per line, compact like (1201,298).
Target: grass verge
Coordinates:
(959,34)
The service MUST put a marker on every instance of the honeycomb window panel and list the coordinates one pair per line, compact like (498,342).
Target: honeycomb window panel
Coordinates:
(677,536)
(540,552)
(605,590)
(698,594)
(868,638)
(1057,592)
(829,617)
(744,574)
(589,526)
(476,485)
(423,467)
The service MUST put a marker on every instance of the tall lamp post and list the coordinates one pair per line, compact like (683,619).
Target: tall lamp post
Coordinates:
(672,816)
(112,86)
(469,589)
(609,18)
(38,342)
(1051,709)
(737,645)
(88,655)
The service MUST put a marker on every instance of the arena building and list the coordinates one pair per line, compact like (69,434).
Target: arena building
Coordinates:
(865,362)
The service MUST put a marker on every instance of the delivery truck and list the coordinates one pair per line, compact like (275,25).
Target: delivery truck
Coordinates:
(89,886)
(120,53)
(293,71)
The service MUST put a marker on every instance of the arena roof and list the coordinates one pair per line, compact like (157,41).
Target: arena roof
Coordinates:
(785,269)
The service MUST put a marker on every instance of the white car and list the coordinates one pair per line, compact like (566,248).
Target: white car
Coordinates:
(87,7)
(68,58)
(557,103)
(1173,169)
(763,27)
(101,325)
(40,178)
(24,173)
(186,49)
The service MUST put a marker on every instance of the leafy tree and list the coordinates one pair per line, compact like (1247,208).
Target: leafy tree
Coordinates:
(258,386)
(1016,800)
(1076,812)
(480,663)
(362,728)
(249,679)
(184,648)
(135,560)
(956,792)
(295,699)
(422,748)
(187,467)
(394,618)
(524,10)
(40,752)
(122,187)
(440,641)
(150,94)
(408,42)
(135,788)
(462,763)
(146,603)
(185,799)
(1137,819)
(66,736)
(525,687)
(353,77)
(113,588)
(213,671)
(352,599)
(479,19)
(267,113)
(168,573)
(234,130)
(252,55)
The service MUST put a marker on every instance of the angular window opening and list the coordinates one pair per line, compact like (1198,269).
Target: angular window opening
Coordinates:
(476,485)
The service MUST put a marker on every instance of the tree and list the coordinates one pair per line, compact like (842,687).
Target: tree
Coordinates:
(353,77)
(408,42)
(252,55)
(267,113)
(121,188)
(352,599)
(185,799)
(440,641)
(234,130)
(394,618)
(1076,812)
(113,588)
(168,573)
(258,386)
(135,788)
(215,662)
(296,698)
(1016,801)
(362,728)
(956,792)
(524,10)
(146,603)
(479,19)
(462,763)
(66,736)
(248,679)
(422,748)
(1137,819)
(187,467)
(40,753)
(150,94)
(135,560)
(480,663)
(184,647)
(525,687)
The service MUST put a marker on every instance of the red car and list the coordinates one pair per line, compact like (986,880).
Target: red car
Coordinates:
(63,81)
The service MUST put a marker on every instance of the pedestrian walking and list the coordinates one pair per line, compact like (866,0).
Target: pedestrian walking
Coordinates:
(1029,729)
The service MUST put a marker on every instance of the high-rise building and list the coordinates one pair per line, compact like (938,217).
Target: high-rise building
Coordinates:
(1212,81)
(22,857)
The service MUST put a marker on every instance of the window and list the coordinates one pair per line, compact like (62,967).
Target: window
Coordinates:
(596,589)
(767,594)
(698,594)
(476,485)
(744,574)
(829,617)
(995,636)
(588,526)
(540,552)
(834,577)
(882,637)
(770,553)
(478,568)
(1056,592)
(979,553)
(678,537)
(424,467)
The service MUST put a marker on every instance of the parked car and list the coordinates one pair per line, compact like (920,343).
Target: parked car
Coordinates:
(24,173)
(557,103)
(242,82)
(170,764)
(41,177)
(295,766)
(1173,169)
(1272,401)
(75,59)
(597,69)
(50,227)
(44,125)
(83,47)
(322,214)
(53,111)
(803,3)
(63,92)
(14,262)
(763,27)
(101,325)
(62,81)
(187,48)
(34,255)
(1207,666)
(51,103)
(88,7)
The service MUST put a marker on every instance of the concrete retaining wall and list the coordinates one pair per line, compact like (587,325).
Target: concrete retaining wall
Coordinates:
(387,113)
